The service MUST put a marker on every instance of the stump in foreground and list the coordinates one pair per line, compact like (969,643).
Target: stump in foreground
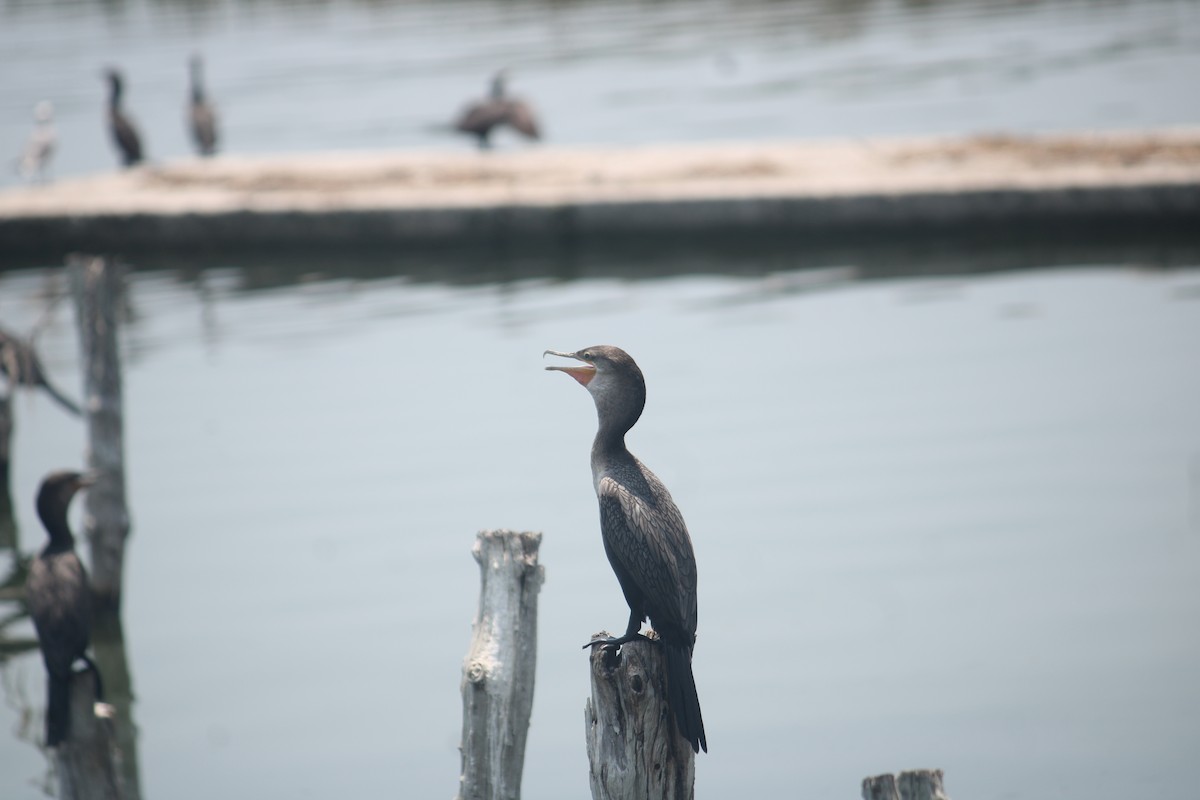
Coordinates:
(635,750)
(916,784)
(85,763)
(98,285)
(497,683)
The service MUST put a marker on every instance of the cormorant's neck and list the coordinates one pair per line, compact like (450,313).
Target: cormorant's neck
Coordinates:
(616,418)
(55,521)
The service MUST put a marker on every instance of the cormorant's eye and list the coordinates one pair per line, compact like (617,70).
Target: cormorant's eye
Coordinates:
(587,356)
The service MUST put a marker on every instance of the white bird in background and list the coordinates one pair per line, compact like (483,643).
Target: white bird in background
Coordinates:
(35,161)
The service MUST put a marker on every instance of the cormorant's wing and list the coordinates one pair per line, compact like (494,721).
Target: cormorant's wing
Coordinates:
(204,127)
(482,117)
(521,117)
(127,138)
(59,601)
(648,541)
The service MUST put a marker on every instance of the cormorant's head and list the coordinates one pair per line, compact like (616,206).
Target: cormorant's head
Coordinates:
(498,82)
(612,377)
(115,82)
(54,496)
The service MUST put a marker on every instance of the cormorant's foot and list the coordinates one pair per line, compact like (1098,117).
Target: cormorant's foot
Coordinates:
(613,642)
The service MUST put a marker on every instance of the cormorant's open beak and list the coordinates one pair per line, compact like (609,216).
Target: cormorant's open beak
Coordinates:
(582,373)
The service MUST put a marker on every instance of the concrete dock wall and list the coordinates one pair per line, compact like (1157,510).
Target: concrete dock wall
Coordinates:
(1147,182)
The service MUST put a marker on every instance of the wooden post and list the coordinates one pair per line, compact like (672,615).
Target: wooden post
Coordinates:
(916,784)
(85,762)
(6,426)
(635,750)
(497,683)
(97,287)
(108,645)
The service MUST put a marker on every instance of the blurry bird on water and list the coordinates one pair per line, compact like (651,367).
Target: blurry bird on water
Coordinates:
(39,149)
(202,117)
(125,136)
(60,602)
(496,110)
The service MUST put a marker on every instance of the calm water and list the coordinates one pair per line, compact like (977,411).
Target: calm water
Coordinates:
(945,522)
(344,75)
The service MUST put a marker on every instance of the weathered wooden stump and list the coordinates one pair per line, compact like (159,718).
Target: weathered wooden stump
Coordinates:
(635,750)
(498,673)
(85,762)
(917,784)
(98,285)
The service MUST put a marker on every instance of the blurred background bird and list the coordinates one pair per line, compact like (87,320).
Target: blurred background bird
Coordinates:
(35,160)
(125,136)
(60,602)
(496,110)
(202,117)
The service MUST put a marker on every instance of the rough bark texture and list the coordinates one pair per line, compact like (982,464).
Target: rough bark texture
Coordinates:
(86,762)
(108,644)
(498,673)
(917,784)
(6,426)
(635,751)
(97,288)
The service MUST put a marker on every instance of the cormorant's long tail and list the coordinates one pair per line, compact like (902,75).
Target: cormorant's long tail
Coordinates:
(58,709)
(681,694)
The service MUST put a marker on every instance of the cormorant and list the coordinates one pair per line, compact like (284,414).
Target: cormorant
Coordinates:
(498,109)
(40,147)
(644,535)
(60,602)
(124,135)
(202,118)
(19,363)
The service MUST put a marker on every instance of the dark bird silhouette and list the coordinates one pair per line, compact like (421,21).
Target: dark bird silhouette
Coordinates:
(483,116)
(60,602)
(19,363)
(644,535)
(39,149)
(202,117)
(124,135)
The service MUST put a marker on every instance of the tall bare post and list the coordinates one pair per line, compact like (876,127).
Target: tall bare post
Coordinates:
(497,683)
(915,784)
(85,761)
(6,426)
(98,285)
(635,750)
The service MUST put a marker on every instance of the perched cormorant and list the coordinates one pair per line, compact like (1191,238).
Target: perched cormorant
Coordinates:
(644,535)
(19,363)
(498,109)
(40,147)
(202,118)
(60,602)
(124,135)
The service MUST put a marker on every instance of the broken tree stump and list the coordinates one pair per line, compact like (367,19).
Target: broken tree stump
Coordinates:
(85,763)
(635,750)
(916,784)
(498,672)
(98,285)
